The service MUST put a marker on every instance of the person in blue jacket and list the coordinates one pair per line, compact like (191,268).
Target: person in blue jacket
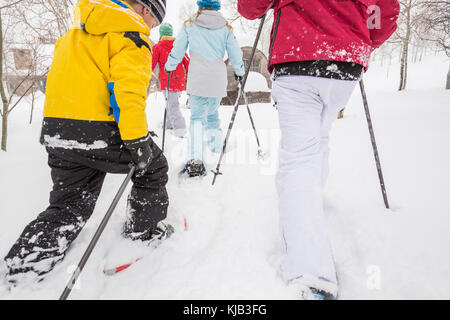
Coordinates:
(208,36)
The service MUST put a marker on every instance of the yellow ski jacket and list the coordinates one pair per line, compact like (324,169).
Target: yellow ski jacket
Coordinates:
(99,76)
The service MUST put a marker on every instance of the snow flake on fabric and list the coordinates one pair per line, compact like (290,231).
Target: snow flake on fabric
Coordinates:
(57,142)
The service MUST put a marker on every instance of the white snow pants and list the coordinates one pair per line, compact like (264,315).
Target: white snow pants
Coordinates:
(307,107)
(175,120)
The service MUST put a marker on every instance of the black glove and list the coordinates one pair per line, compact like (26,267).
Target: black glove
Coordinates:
(142,156)
(238,78)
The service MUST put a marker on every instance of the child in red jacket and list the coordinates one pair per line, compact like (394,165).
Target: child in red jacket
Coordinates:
(161,50)
(319,50)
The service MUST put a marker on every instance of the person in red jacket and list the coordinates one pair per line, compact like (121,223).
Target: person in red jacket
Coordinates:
(318,52)
(161,51)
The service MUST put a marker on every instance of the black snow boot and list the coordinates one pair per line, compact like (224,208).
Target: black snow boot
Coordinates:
(161,232)
(193,168)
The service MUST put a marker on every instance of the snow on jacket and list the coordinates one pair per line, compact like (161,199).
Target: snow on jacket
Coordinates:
(305,30)
(208,38)
(97,84)
(161,52)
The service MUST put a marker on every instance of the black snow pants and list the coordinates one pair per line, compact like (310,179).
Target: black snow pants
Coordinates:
(77,177)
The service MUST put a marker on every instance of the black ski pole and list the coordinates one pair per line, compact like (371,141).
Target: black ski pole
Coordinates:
(236,104)
(165,112)
(260,152)
(374,144)
(97,235)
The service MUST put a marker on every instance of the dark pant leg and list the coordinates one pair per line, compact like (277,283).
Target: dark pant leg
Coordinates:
(45,240)
(148,200)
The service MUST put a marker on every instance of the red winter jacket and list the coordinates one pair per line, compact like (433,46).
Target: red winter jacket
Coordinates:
(334,30)
(161,52)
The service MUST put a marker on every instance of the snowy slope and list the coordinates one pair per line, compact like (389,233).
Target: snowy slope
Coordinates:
(231,247)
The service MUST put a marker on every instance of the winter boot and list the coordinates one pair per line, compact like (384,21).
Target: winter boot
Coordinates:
(162,232)
(317,289)
(194,168)
(316,294)
(31,268)
(41,246)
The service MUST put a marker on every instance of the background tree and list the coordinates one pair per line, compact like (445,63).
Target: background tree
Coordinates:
(247,29)
(408,26)
(28,31)
(5,101)
(435,18)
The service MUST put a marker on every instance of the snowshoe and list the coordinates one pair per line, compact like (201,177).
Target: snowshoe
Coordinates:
(193,168)
(125,254)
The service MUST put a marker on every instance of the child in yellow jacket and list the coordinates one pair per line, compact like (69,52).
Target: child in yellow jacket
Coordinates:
(95,123)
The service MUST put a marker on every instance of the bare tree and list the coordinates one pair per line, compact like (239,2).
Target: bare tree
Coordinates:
(28,31)
(5,101)
(408,24)
(248,28)
(46,19)
(435,19)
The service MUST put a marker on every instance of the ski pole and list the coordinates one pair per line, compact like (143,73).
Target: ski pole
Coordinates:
(374,144)
(241,86)
(165,112)
(260,152)
(97,235)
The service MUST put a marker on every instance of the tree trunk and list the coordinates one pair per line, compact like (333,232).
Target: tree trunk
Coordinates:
(405,78)
(403,67)
(4,130)
(405,50)
(389,67)
(2,92)
(32,105)
(448,80)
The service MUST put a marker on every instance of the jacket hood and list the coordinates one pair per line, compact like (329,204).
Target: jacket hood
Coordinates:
(102,16)
(165,39)
(166,42)
(211,19)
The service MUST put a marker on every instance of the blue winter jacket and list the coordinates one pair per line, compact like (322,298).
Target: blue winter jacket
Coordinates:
(208,38)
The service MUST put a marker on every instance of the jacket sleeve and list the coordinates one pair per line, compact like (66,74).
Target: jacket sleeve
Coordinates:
(180,46)
(235,54)
(186,63)
(389,10)
(155,56)
(254,9)
(130,70)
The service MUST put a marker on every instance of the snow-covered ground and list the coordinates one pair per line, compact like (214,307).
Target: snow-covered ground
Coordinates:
(231,247)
